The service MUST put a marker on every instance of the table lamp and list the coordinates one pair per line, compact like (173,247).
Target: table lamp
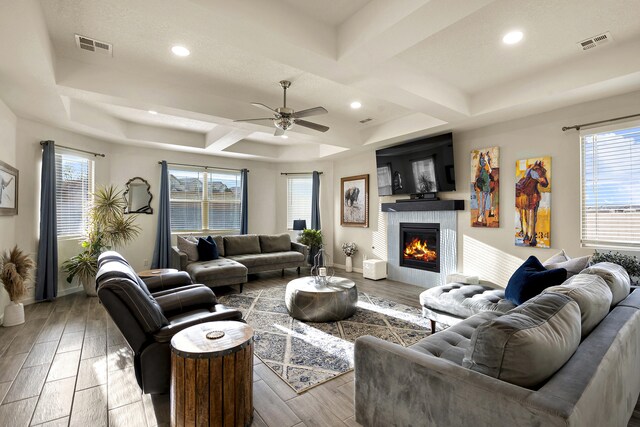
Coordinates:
(299,224)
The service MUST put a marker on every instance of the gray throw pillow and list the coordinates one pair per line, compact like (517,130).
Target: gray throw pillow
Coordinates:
(614,276)
(241,245)
(275,243)
(592,295)
(572,265)
(189,246)
(529,344)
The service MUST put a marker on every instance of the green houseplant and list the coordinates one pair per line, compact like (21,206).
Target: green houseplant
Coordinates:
(313,239)
(15,269)
(628,262)
(107,228)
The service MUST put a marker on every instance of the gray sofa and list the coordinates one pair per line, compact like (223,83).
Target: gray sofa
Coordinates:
(240,256)
(441,381)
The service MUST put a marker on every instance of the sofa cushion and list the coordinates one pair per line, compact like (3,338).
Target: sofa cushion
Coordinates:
(208,271)
(189,246)
(207,250)
(529,344)
(592,295)
(275,243)
(572,265)
(240,245)
(463,300)
(615,277)
(276,258)
(530,279)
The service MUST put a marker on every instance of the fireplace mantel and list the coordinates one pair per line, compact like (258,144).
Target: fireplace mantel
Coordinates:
(424,206)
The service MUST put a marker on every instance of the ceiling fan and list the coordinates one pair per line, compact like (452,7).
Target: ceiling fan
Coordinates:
(284,118)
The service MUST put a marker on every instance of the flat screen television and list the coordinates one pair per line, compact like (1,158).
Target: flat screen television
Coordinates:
(417,167)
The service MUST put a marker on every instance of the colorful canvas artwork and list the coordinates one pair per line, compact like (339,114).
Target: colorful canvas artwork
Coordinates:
(485,187)
(533,202)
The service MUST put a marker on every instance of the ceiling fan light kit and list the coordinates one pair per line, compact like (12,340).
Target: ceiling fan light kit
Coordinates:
(285,118)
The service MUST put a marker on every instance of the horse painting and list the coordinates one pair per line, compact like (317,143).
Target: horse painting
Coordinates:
(484,187)
(529,199)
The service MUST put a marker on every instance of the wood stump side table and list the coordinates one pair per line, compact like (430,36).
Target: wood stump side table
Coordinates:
(212,379)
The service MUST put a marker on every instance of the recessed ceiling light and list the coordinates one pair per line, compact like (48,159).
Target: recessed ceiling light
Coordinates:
(153,112)
(512,37)
(284,136)
(180,51)
(355,105)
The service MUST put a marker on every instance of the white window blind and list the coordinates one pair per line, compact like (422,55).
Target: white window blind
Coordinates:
(74,188)
(299,199)
(611,188)
(205,200)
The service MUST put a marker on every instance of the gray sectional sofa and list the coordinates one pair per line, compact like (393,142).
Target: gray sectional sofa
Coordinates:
(240,256)
(568,357)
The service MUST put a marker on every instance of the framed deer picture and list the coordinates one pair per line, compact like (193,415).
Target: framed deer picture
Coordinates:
(8,189)
(354,209)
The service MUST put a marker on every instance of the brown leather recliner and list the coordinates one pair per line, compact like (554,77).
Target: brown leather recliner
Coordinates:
(148,314)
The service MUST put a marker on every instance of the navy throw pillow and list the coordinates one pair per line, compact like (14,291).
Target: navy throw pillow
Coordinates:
(530,279)
(206,250)
(216,253)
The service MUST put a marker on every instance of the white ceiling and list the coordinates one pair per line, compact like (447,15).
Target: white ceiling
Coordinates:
(417,66)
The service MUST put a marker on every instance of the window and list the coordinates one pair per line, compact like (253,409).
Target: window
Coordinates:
(611,188)
(205,199)
(74,186)
(298,199)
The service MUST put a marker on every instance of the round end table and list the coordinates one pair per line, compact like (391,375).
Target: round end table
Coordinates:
(156,272)
(212,378)
(314,302)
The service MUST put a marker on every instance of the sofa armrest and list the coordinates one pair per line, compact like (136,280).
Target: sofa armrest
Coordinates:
(179,259)
(221,313)
(167,281)
(398,386)
(184,300)
(299,247)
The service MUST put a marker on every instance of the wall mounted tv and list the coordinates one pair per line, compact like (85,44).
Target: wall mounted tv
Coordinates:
(417,167)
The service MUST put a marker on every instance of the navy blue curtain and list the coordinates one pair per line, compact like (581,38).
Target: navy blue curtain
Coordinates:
(244,212)
(162,249)
(47,270)
(315,201)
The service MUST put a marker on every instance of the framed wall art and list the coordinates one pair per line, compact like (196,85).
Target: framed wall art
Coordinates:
(354,209)
(533,202)
(8,189)
(485,187)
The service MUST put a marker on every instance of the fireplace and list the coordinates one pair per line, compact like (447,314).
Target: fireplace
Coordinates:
(420,246)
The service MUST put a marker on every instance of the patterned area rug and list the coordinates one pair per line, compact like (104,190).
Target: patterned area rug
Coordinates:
(306,354)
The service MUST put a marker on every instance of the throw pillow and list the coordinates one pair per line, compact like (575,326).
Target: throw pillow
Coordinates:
(215,251)
(559,257)
(529,344)
(615,277)
(572,265)
(189,246)
(205,249)
(530,279)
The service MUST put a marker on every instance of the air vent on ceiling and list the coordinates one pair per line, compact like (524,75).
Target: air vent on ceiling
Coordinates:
(93,45)
(366,120)
(595,41)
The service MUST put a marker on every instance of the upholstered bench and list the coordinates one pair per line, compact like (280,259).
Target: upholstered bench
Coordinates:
(449,304)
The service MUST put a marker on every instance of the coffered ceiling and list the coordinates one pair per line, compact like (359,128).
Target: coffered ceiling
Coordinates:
(417,66)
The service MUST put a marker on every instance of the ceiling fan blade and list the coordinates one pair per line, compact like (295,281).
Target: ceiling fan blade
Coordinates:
(264,107)
(271,119)
(311,125)
(310,112)
(278,132)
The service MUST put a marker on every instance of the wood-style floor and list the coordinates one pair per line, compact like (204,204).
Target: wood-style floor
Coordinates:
(69,365)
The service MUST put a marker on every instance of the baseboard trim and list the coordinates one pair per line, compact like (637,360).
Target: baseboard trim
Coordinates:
(344,267)
(61,293)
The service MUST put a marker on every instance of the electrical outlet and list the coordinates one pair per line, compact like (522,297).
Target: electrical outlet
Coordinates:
(146,263)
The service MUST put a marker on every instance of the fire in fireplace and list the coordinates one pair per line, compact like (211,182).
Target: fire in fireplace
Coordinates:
(420,246)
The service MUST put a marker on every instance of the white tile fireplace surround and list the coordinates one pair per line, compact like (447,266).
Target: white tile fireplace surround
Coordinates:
(448,247)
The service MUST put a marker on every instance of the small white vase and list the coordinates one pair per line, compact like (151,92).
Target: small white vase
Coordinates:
(349,264)
(13,314)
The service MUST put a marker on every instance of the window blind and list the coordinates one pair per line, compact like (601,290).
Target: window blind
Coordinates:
(610,204)
(74,188)
(298,199)
(205,199)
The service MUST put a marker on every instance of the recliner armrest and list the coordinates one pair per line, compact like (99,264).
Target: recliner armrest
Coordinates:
(167,281)
(183,300)
(221,313)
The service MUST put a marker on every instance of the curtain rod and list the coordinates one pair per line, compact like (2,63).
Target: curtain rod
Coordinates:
(577,127)
(42,143)
(298,173)
(204,167)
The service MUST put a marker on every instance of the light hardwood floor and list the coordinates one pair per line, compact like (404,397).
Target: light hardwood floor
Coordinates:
(69,365)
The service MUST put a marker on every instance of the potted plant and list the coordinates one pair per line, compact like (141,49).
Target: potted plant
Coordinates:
(15,271)
(349,249)
(108,228)
(313,239)
(628,262)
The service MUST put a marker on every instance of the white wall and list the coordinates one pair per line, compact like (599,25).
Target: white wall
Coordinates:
(8,155)
(491,253)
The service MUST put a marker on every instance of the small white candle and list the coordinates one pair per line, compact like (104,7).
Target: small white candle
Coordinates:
(323,272)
